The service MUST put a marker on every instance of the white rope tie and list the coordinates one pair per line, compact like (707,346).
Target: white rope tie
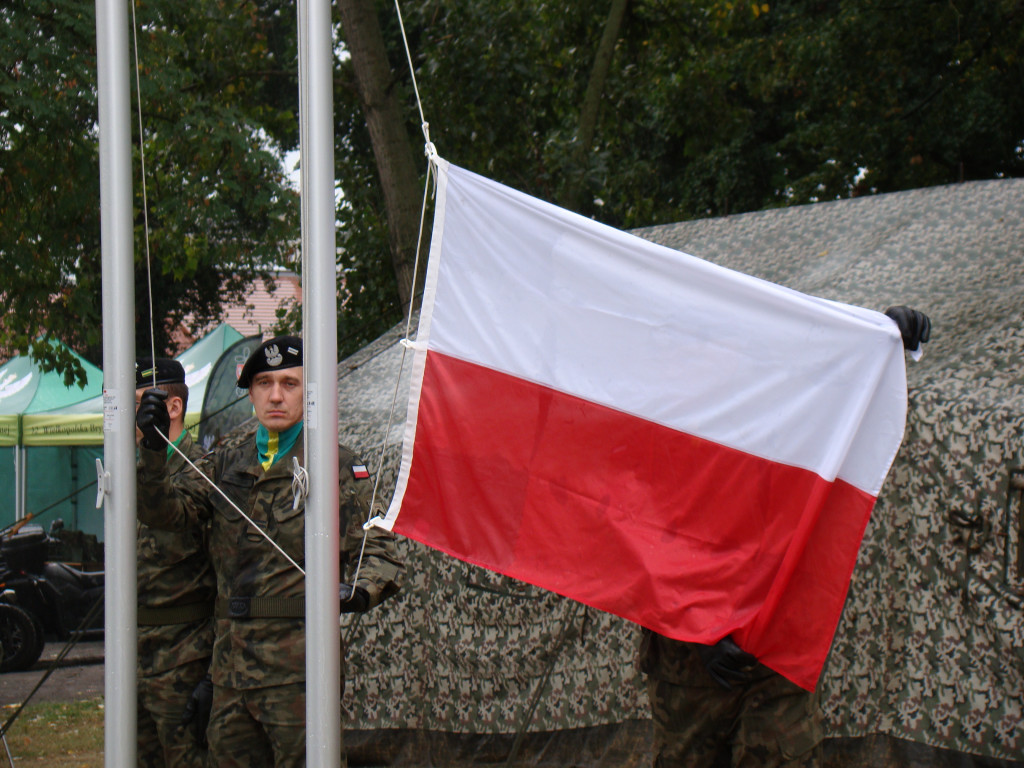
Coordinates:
(300,483)
(375,520)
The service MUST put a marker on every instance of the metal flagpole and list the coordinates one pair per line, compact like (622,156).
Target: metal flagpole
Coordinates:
(117,485)
(320,364)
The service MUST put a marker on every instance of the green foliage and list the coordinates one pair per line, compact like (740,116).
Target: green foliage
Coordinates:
(716,107)
(218,86)
(710,108)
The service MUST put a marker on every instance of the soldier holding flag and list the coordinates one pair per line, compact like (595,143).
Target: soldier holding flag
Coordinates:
(258,665)
(715,706)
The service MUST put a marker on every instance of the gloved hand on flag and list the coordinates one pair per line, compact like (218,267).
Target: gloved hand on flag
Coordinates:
(152,418)
(915,327)
(353,599)
(727,663)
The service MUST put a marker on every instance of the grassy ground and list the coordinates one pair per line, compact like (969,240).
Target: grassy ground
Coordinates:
(56,735)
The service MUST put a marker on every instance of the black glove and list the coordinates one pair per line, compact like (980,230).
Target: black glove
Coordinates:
(915,327)
(197,710)
(727,663)
(151,416)
(353,599)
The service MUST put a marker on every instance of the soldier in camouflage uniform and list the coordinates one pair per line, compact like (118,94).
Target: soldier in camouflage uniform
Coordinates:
(258,665)
(176,590)
(761,718)
(715,706)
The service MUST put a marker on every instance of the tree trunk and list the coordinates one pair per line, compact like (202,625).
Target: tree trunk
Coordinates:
(592,99)
(396,164)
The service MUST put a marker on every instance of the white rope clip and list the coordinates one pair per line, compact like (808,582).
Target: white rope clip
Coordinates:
(102,483)
(300,483)
(428,147)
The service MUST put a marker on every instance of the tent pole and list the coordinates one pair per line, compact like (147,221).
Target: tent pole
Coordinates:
(116,231)
(19,478)
(319,296)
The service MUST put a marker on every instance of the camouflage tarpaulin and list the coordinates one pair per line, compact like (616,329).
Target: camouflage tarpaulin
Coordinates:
(929,648)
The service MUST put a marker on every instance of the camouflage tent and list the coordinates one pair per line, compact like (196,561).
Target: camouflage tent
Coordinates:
(468,667)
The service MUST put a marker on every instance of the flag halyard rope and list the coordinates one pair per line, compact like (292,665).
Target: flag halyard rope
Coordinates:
(149,296)
(145,201)
(431,153)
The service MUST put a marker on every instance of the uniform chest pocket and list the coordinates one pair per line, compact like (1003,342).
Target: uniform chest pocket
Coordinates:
(272,509)
(237,487)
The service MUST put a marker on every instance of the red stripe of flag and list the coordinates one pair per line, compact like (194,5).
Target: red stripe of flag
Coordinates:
(688,537)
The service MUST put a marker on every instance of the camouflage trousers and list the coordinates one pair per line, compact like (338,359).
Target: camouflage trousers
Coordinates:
(769,722)
(161,698)
(259,727)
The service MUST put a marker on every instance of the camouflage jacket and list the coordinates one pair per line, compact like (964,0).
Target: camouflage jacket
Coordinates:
(260,652)
(174,571)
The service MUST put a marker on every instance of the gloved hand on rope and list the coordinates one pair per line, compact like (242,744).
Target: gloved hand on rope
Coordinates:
(353,599)
(727,663)
(152,416)
(915,327)
(197,710)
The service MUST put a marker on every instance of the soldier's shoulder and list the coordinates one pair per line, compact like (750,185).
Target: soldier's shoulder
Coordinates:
(346,454)
(242,435)
(237,442)
(192,448)
(350,462)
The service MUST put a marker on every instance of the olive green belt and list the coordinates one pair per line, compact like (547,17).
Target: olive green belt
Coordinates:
(173,614)
(261,608)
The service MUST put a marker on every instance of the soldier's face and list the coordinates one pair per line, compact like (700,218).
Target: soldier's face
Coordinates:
(277,398)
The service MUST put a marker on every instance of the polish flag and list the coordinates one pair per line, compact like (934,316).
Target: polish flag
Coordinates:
(691,448)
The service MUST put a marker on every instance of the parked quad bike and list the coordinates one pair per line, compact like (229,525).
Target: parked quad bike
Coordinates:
(55,596)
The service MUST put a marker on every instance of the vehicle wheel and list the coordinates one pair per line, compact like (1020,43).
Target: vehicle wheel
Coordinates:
(19,639)
(40,635)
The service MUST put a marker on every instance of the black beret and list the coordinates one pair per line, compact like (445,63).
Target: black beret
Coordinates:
(166,371)
(274,354)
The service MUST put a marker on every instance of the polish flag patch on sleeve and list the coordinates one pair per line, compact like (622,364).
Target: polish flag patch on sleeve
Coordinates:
(360,472)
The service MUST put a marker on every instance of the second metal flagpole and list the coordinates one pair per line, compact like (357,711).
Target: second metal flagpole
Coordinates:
(320,363)
(118,481)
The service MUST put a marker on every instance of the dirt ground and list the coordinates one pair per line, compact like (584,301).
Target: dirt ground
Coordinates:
(80,677)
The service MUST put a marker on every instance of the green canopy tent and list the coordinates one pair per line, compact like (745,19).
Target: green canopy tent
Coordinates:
(26,390)
(81,423)
(199,361)
(70,436)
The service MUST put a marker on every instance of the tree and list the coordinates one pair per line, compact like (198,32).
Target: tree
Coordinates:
(712,107)
(683,109)
(396,166)
(474,63)
(218,93)
(595,86)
